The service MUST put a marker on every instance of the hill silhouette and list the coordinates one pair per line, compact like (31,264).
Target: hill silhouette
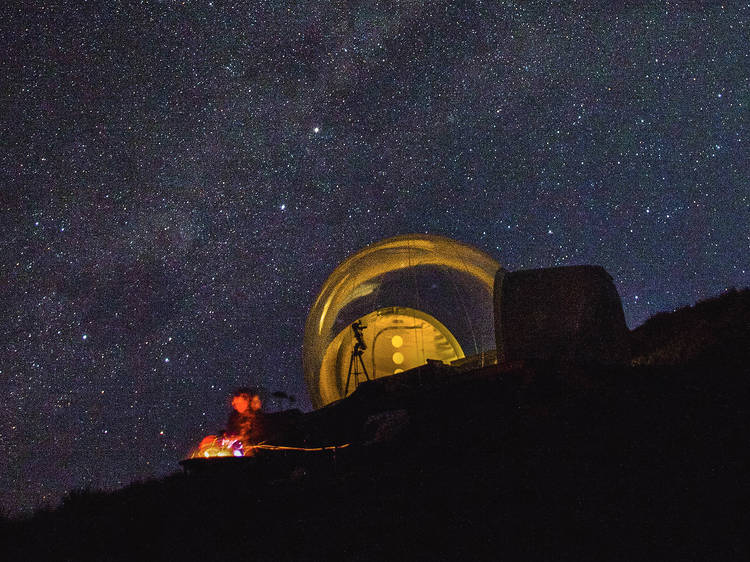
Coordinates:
(539,460)
(715,330)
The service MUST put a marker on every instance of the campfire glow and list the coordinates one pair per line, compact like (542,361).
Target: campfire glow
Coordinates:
(219,446)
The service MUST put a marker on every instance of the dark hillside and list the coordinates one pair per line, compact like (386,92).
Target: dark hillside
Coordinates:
(536,461)
(714,331)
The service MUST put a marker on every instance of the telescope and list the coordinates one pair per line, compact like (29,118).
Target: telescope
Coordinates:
(357,328)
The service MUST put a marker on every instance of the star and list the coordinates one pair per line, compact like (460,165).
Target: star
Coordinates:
(163,212)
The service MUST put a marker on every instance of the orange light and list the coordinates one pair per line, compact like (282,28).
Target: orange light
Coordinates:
(241,403)
(218,446)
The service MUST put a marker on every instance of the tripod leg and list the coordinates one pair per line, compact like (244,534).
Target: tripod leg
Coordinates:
(356,372)
(364,369)
(349,376)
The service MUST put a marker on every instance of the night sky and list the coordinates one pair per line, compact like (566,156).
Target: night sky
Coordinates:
(179,178)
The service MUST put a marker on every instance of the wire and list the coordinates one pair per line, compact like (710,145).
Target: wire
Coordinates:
(307,449)
(460,299)
(418,306)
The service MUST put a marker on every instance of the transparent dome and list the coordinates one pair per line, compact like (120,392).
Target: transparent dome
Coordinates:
(417,296)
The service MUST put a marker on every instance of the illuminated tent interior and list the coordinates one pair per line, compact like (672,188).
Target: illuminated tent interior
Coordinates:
(418,297)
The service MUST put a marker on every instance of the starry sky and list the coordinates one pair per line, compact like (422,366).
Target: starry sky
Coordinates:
(179,178)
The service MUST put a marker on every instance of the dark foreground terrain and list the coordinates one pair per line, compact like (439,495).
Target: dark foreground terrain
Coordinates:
(521,461)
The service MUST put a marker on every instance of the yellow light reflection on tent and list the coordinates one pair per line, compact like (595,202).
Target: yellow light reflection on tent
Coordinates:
(416,334)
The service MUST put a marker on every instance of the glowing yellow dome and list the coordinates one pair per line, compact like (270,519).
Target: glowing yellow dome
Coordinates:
(419,296)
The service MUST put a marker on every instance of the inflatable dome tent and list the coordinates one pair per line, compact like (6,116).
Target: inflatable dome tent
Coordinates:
(418,297)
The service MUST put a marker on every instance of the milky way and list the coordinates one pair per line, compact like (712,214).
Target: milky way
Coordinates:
(179,178)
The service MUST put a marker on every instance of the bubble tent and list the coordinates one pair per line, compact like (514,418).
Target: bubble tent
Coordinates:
(420,296)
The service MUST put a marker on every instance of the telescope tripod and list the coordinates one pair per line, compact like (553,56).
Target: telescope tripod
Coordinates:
(355,362)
